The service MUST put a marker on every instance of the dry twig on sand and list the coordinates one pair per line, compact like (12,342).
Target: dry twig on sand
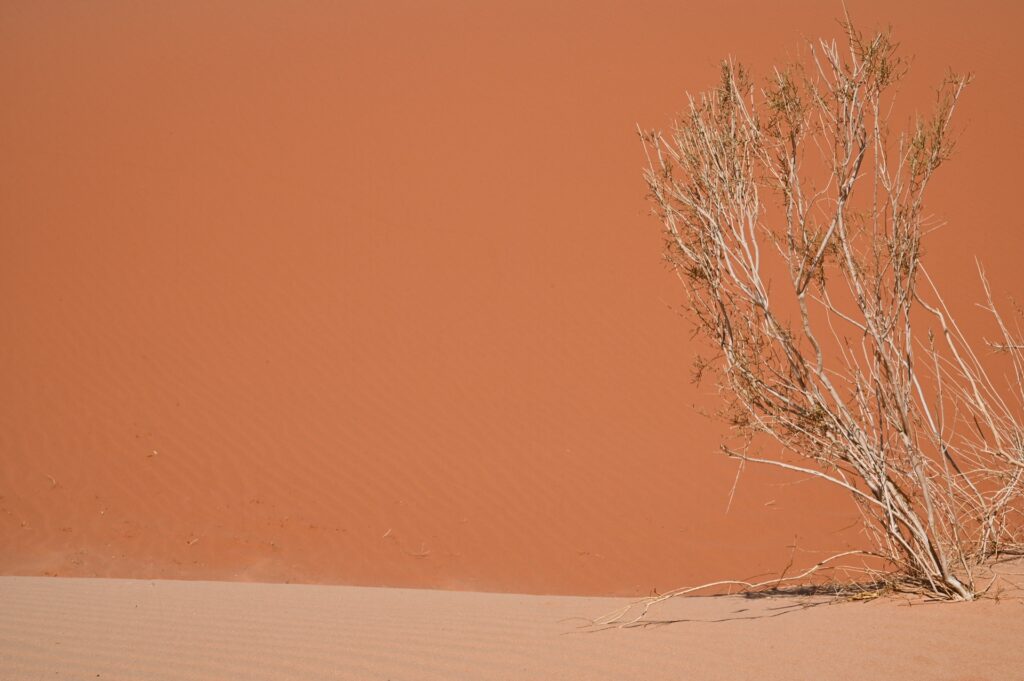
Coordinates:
(794,219)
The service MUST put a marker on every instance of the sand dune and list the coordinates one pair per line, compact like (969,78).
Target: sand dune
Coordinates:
(187,631)
(366,293)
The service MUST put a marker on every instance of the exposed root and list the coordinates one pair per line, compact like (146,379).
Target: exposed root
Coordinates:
(1005,578)
(620,618)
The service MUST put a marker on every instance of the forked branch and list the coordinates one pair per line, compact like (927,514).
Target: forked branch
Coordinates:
(849,370)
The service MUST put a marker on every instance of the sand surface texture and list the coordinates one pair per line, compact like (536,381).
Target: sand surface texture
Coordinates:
(119,630)
(367,293)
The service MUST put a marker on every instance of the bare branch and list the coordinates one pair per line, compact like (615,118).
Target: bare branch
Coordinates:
(916,431)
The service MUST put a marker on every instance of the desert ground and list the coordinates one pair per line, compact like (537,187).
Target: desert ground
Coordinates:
(368,295)
(189,631)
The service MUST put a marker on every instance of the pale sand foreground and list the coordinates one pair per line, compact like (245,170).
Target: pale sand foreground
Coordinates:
(56,628)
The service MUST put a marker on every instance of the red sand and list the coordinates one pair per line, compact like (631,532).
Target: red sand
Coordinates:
(368,294)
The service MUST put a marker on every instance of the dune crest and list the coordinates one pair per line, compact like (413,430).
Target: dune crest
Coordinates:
(184,631)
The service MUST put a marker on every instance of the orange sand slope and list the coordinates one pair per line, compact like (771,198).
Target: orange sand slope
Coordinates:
(368,293)
(192,631)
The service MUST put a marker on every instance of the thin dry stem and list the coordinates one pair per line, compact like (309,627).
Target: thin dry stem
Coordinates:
(794,219)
